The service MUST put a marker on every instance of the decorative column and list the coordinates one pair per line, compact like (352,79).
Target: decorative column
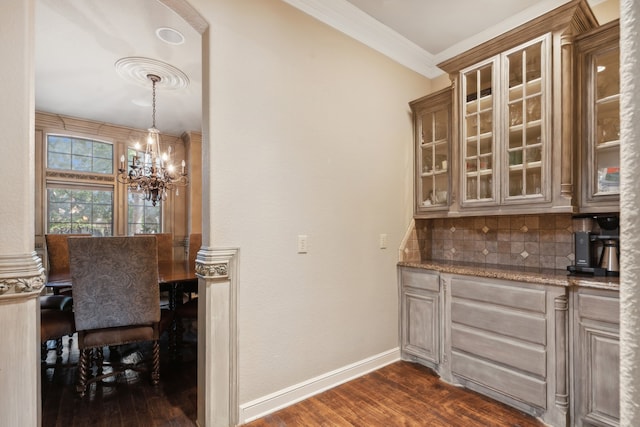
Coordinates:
(21,273)
(629,212)
(217,337)
(561,333)
(566,140)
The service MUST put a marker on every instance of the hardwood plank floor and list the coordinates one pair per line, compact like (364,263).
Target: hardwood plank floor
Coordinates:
(400,394)
(125,400)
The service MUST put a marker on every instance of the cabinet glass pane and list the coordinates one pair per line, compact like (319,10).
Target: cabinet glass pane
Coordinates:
(525,111)
(478,147)
(434,159)
(607,111)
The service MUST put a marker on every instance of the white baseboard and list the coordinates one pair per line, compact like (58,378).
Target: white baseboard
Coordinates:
(280,399)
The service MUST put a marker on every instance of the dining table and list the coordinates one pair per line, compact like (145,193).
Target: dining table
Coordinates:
(171,277)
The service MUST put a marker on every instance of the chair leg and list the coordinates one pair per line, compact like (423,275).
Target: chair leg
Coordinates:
(59,346)
(179,335)
(83,363)
(155,369)
(99,360)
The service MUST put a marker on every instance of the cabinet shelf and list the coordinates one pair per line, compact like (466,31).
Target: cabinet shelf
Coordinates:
(434,143)
(609,145)
(531,125)
(532,87)
(434,173)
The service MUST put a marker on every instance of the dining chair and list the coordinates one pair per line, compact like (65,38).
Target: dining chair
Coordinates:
(188,311)
(56,321)
(116,301)
(165,245)
(58,276)
(195,242)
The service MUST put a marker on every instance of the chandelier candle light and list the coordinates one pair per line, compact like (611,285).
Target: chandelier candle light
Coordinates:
(153,175)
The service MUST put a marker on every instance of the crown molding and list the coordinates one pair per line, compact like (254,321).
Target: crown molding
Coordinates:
(348,19)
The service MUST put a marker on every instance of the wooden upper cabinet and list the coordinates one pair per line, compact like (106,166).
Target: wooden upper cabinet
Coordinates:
(504,127)
(598,133)
(513,119)
(432,151)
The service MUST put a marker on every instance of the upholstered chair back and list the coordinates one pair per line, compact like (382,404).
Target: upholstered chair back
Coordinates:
(195,242)
(165,245)
(58,252)
(115,281)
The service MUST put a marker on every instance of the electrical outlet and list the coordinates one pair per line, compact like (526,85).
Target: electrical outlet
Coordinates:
(383,241)
(302,243)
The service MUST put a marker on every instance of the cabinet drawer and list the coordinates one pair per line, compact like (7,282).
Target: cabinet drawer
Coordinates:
(599,307)
(511,383)
(523,356)
(499,320)
(420,279)
(495,293)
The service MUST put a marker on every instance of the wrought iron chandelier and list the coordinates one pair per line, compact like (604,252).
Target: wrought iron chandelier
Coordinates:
(152,174)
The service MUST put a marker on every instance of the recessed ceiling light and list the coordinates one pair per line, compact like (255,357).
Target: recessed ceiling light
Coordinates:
(169,35)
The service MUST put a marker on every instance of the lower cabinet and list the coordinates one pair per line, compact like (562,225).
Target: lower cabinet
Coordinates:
(420,323)
(596,356)
(506,340)
(550,351)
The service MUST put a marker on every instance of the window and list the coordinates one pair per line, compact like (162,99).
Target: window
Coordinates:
(79,210)
(80,187)
(79,154)
(143,216)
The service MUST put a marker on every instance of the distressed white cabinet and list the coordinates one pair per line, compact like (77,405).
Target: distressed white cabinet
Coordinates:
(420,316)
(505,129)
(507,340)
(596,356)
(598,135)
(514,117)
(432,151)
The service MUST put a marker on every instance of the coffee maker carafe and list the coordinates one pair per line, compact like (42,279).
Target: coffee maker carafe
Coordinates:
(596,253)
(610,238)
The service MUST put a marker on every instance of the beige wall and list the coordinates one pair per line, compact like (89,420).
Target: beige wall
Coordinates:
(310,133)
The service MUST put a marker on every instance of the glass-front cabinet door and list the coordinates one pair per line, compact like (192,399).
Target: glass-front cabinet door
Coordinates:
(605,140)
(478,142)
(599,135)
(525,138)
(503,124)
(432,121)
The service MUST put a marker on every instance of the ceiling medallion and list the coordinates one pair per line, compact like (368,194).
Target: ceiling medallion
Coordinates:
(136,69)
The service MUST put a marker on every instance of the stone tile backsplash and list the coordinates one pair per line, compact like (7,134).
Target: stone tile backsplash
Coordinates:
(543,241)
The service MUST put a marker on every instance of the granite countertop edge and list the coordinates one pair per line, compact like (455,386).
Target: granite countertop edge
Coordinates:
(538,276)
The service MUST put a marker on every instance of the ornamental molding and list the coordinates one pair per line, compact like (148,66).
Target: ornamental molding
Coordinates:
(87,177)
(218,270)
(18,285)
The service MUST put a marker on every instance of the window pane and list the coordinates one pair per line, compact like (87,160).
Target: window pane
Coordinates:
(82,164)
(143,216)
(82,147)
(102,165)
(80,211)
(79,154)
(59,160)
(59,144)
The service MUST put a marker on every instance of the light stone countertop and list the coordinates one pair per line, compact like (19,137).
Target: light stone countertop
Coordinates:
(521,274)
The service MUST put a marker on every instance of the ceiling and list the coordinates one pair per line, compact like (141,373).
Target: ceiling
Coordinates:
(78,43)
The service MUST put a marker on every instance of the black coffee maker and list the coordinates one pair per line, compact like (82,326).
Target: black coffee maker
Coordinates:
(596,248)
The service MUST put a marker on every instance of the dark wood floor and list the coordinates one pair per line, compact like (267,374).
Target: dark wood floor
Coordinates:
(128,399)
(401,394)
